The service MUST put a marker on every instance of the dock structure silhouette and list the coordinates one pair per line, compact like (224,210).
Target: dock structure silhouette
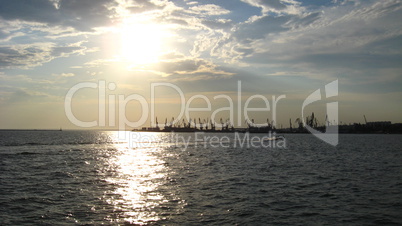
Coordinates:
(296,126)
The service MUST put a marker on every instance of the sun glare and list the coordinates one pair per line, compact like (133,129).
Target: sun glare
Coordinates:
(141,43)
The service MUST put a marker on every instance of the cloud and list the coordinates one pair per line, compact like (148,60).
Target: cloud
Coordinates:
(24,56)
(4,35)
(267,4)
(140,6)
(232,42)
(192,3)
(218,24)
(79,14)
(31,55)
(64,75)
(277,6)
(29,11)
(259,28)
(209,10)
(179,66)
(302,21)
(351,41)
(375,10)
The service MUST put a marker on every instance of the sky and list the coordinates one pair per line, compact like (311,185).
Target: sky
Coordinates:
(104,63)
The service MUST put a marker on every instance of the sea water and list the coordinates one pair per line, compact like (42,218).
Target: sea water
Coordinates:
(95,177)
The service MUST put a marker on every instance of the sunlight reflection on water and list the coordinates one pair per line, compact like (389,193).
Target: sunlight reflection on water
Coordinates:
(139,174)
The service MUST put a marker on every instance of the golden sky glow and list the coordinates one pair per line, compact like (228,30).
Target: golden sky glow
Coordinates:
(275,47)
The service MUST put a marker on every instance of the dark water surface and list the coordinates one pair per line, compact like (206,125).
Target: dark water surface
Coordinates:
(88,177)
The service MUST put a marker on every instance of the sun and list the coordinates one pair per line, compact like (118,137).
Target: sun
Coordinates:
(141,43)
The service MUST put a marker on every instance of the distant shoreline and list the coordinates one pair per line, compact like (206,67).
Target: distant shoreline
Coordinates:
(278,131)
(30,130)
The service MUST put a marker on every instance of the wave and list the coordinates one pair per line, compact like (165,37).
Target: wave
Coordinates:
(50,144)
(19,153)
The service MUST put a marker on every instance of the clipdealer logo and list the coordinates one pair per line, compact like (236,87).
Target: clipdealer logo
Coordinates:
(330,135)
(148,107)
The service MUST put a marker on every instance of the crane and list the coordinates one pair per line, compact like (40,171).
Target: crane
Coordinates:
(290,122)
(299,122)
(201,125)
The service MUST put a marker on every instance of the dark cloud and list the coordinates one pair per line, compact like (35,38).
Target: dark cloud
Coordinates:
(266,4)
(176,65)
(79,14)
(183,66)
(391,45)
(176,21)
(261,27)
(140,6)
(351,60)
(34,55)
(5,50)
(276,4)
(381,54)
(208,10)
(65,50)
(265,25)
(174,18)
(302,21)
(14,58)
(218,24)
(37,11)
(86,14)
(245,51)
